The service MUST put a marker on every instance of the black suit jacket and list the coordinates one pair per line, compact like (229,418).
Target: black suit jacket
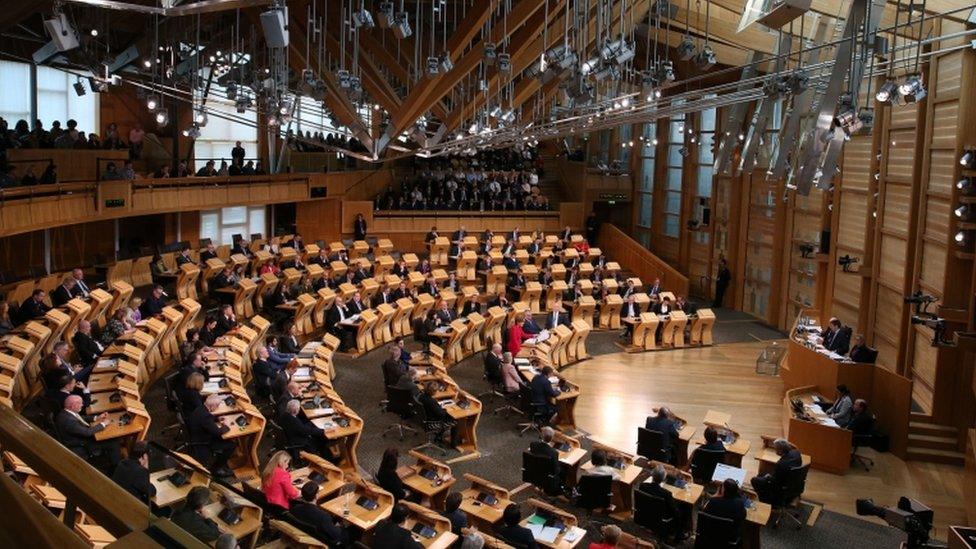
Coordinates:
(432,409)
(390,481)
(202,427)
(861,353)
(663,425)
(74,434)
(298,432)
(152,306)
(562,319)
(381,298)
(493,368)
(288,345)
(321,521)
(729,508)
(446,317)
(263,373)
(134,478)
(659,491)
(206,255)
(841,341)
(393,536)
(224,325)
(86,348)
(625,310)
(539,448)
(60,296)
(518,536)
(31,309)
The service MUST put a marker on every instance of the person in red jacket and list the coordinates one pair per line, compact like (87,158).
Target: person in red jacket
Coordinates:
(517,334)
(276,481)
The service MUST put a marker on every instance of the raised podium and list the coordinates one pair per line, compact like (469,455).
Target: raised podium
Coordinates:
(267,284)
(347,290)
(186,281)
(577,343)
(213,266)
(584,309)
(468,293)
(305,305)
(495,283)
(383,247)
(244,298)
(440,275)
(701,327)
(326,298)
(261,257)
(382,331)
(364,333)
(530,271)
(493,325)
(558,271)
(401,324)
(359,249)
(474,339)
(466,265)
(99,301)
(673,332)
(446,295)
(425,302)
(438,251)
(610,312)
(532,294)
(556,291)
(383,265)
(369,289)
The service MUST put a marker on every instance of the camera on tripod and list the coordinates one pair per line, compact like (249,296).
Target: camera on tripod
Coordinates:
(911,516)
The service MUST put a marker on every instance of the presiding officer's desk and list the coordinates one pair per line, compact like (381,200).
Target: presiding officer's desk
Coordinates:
(828,445)
(808,363)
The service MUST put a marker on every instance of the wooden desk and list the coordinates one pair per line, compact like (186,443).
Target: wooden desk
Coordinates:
(467,422)
(571,455)
(433,490)
(566,399)
(767,459)
(701,327)
(247,437)
(570,537)
(168,493)
(137,427)
(610,312)
(246,531)
(442,537)
(94,535)
(334,476)
(584,309)
(345,437)
(480,513)
(829,447)
(345,506)
(623,488)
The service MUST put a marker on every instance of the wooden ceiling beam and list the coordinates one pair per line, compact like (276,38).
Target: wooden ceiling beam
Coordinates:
(418,100)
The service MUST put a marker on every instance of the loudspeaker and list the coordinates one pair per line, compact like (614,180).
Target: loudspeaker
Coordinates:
(706,216)
(825,242)
(275,23)
(60,31)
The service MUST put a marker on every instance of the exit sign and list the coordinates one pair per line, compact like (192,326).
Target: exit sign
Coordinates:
(115,203)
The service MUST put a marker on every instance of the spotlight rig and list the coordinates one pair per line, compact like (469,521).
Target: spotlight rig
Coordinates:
(847,262)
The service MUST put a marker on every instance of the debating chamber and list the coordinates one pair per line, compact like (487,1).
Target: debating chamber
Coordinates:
(464,274)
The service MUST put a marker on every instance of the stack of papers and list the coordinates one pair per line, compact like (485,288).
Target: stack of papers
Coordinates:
(541,532)
(211,387)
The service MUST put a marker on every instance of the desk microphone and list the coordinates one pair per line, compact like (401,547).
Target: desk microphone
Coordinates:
(164,293)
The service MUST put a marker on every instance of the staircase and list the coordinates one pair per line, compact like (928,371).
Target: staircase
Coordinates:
(934,443)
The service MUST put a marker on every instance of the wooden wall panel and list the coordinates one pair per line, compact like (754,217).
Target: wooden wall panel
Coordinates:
(943,165)
(945,119)
(887,354)
(897,208)
(853,214)
(932,274)
(949,75)
(923,368)
(892,271)
(857,163)
(847,291)
(937,212)
(888,321)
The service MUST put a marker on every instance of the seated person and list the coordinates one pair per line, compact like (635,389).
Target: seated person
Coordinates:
(408,382)
(191,519)
(664,423)
(840,411)
(768,485)
(301,433)
(132,473)
(264,373)
(728,504)
(435,412)
(510,376)
(276,481)
(712,440)
(189,393)
(391,534)
(320,521)
(153,305)
(226,320)
(493,365)
(67,386)
(288,343)
(78,432)
(393,367)
(87,349)
(609,537)
(654,486)
(275,357)
(862,421)
(387,476)
(860,352)
(544,394)
(205,437)
(513,533)
(544,448)
(837,337)
(459,522)
(600,466)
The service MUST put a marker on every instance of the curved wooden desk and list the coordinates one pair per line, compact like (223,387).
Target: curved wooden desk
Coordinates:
(829,447)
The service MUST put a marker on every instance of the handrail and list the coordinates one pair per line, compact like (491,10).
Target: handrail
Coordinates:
(107,503)
(632,255)
(43,190)
(23,518)
(465,213)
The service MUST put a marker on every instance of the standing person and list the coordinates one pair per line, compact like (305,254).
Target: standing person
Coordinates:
(592,226)
(359,227)
(238,154)
(136,135)
(721,282)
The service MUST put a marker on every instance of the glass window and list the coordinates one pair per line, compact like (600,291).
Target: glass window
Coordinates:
(221,225)
(57,100)
(15,99)
(646,191)
(675,171)
(225,126)
(625,136)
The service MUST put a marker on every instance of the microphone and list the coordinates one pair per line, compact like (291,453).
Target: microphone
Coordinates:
(164,293)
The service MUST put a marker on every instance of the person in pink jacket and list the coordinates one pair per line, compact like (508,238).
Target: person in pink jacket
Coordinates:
(276,481)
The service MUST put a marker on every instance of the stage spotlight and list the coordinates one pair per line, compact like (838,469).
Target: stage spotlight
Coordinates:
(152,103)
(705,58)
(200,118)
(963,239)
(964,212)
(590,65)
(79,87)
(966,187)
(433,65)
(887,92)
(490,54)
(446,64)
(162,117)
(193,132)
(665,72)
(686,49)
(401,26)
(968,160)
(362,18)
(912,89)
(385,15)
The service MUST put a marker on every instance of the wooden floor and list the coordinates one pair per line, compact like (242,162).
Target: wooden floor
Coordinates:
(620,389)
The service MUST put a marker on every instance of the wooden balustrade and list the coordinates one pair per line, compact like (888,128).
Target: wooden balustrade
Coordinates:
(635,257)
